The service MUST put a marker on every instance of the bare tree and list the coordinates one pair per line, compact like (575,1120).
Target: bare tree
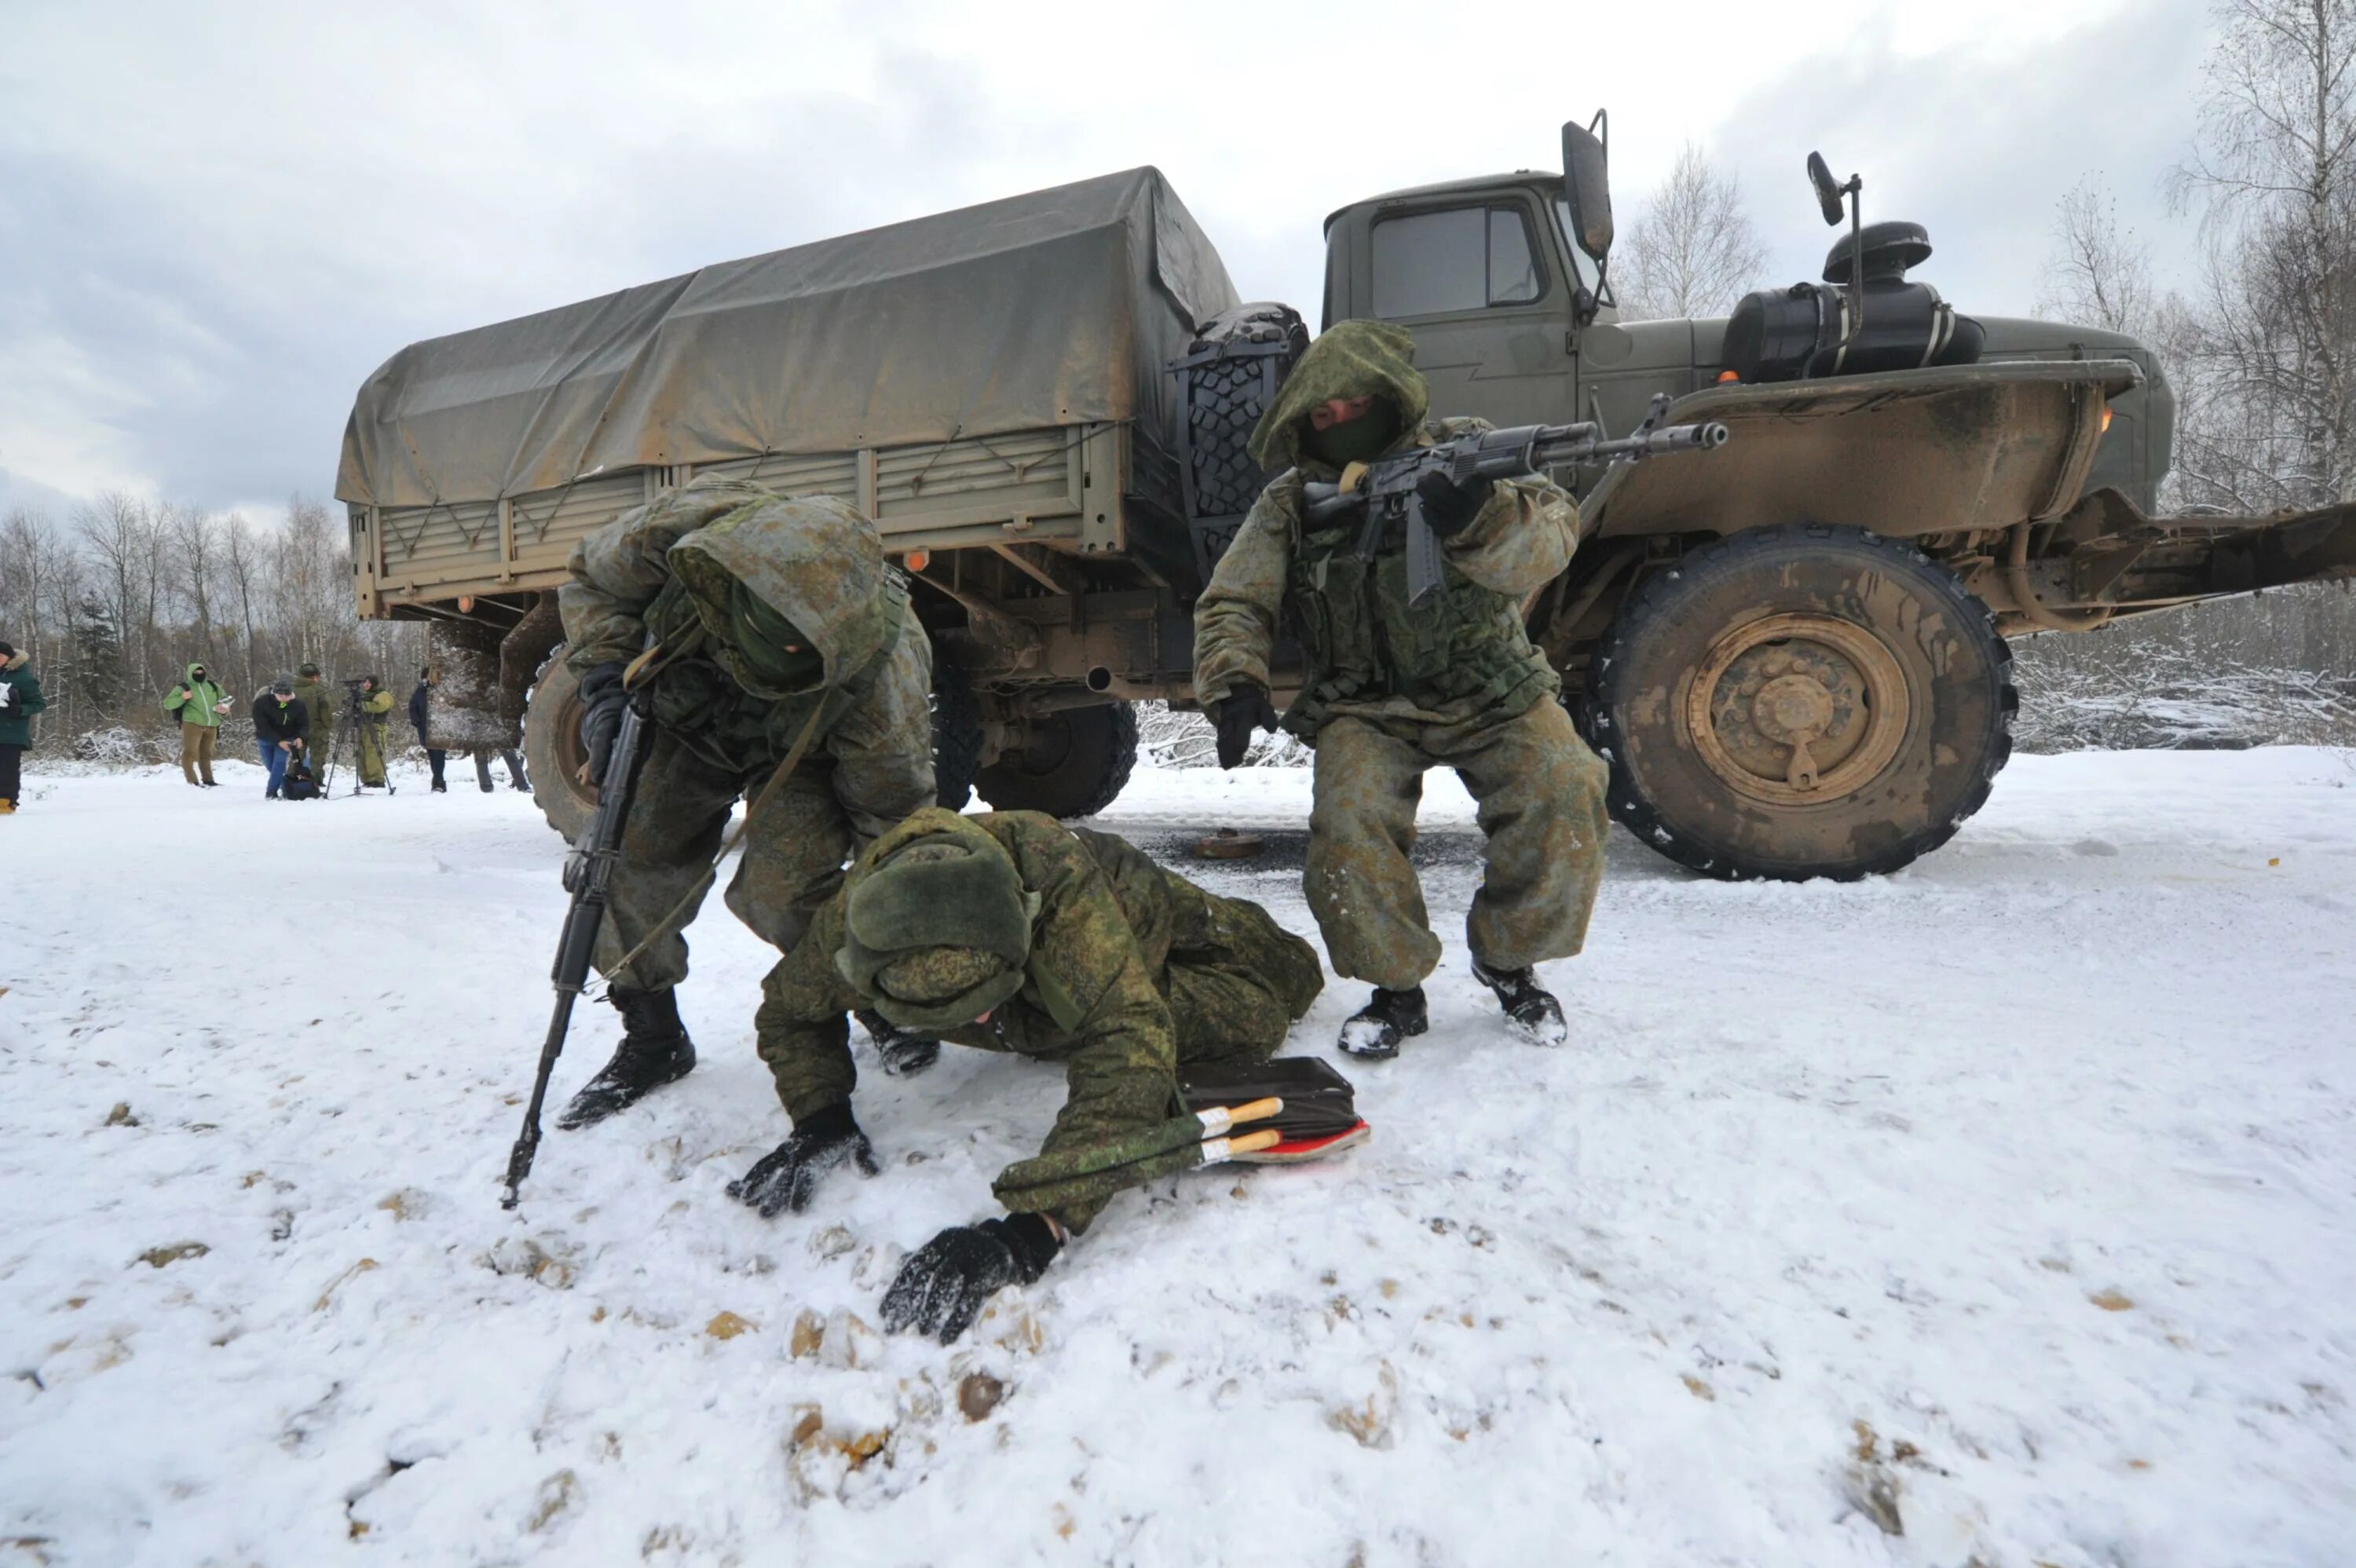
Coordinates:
(2099,273)
(2273,363)
(193,538)
(243,579)
(1692,249)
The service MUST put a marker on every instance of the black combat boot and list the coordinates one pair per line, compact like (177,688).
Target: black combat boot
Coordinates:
(1537,1017)
(1376,1030)
(655,1050)
(905,1055)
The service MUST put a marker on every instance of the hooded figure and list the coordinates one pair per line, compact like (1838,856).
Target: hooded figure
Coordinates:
(376,702)
(198,704)
(765,616)
(1009,931)
(1389,691)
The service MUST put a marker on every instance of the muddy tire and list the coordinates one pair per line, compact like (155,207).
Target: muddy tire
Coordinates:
(553,754)
(1072,764)
(1801,701)
(956,736)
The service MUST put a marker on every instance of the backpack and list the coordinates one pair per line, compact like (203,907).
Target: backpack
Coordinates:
(300,782)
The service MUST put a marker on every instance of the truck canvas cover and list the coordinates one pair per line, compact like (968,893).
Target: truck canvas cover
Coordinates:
(1059,307)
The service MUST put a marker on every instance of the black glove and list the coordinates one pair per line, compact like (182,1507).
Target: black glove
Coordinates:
(1241,711)
(943,1283)
(787,1175)
(1450,505)
(602,701)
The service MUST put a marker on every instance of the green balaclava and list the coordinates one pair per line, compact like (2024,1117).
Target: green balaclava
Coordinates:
(1361,440)
(1351,359)
(761,638)
(938,931)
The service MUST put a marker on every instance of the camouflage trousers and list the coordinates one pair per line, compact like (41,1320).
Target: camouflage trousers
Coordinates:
(1540,793)
(1237,994)
(795,847)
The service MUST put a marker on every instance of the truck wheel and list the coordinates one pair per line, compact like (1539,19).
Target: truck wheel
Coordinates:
(553,752)
(1072,762)
(1801,701)
(956,736)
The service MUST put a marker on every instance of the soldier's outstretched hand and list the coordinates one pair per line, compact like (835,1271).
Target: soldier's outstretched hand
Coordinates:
(787,1176)
(1241,711)
(941,1287)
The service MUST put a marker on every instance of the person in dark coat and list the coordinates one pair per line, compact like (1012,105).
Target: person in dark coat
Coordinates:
(20,699)
(421,710)
(281,727)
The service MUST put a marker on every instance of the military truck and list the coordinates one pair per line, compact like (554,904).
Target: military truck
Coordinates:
(1792,650)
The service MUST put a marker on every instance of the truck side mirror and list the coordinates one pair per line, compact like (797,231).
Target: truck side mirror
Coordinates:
(1587,187)
(1828,190)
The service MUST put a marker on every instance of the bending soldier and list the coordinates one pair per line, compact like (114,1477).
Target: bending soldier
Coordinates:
(759,618)
(1390,691)
(1010,931)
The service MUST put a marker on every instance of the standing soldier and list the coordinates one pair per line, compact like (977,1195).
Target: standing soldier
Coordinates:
(20,699)
(376,702)
(319,703)
(753,623)
(199,705)
(1389,692)
(1011,932)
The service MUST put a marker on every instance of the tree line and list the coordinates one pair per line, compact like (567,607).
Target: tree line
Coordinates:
(117,598)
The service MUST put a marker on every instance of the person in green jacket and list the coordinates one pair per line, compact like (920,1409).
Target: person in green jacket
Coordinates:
(1392,690)
(1008,931)
(198,705)
(321,707)
(376,702)
(20,699)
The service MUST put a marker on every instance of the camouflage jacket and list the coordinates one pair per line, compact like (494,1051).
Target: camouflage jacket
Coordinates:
(1094,990)
(668,568)
(1461,659)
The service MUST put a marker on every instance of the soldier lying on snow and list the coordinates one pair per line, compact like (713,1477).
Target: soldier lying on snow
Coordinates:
(760,619)
(1392,689)
(1010,931)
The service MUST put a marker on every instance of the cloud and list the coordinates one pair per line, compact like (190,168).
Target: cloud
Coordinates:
(215,222)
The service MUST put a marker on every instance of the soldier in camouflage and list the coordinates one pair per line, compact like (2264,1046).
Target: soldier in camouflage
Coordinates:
(1390,691)
(1010,931)
(745,619)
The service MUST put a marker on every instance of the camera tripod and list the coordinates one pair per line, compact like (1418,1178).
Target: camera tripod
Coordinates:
(347,729)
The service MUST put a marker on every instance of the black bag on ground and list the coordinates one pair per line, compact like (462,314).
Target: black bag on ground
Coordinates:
(1318,1101)
(300,782)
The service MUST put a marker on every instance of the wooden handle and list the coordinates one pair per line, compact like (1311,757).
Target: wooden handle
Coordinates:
(1219,1118)
(1217,1149)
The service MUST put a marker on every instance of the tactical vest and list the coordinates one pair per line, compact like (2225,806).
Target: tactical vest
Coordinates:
(702,705)
(1464,648)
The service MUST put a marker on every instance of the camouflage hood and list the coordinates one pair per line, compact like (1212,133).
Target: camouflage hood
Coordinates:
(1354,359)
(936,923)
(812,560)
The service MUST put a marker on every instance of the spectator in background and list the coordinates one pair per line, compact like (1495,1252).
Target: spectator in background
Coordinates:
(200,706)
(421,705)
(515,780)
(280,729)
(318,700)
(20,699)
(375,703)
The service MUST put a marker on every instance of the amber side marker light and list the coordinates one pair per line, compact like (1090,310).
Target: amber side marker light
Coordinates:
(1726,376)
(917,560)
(2106,419)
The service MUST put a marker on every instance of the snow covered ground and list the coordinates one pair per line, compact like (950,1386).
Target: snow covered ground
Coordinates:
(2010,1201)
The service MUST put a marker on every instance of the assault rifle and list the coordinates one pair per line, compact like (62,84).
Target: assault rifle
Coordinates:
(1387,488)
(589,878)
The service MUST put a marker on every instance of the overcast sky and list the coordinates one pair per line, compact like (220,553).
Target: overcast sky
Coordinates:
(216,221)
